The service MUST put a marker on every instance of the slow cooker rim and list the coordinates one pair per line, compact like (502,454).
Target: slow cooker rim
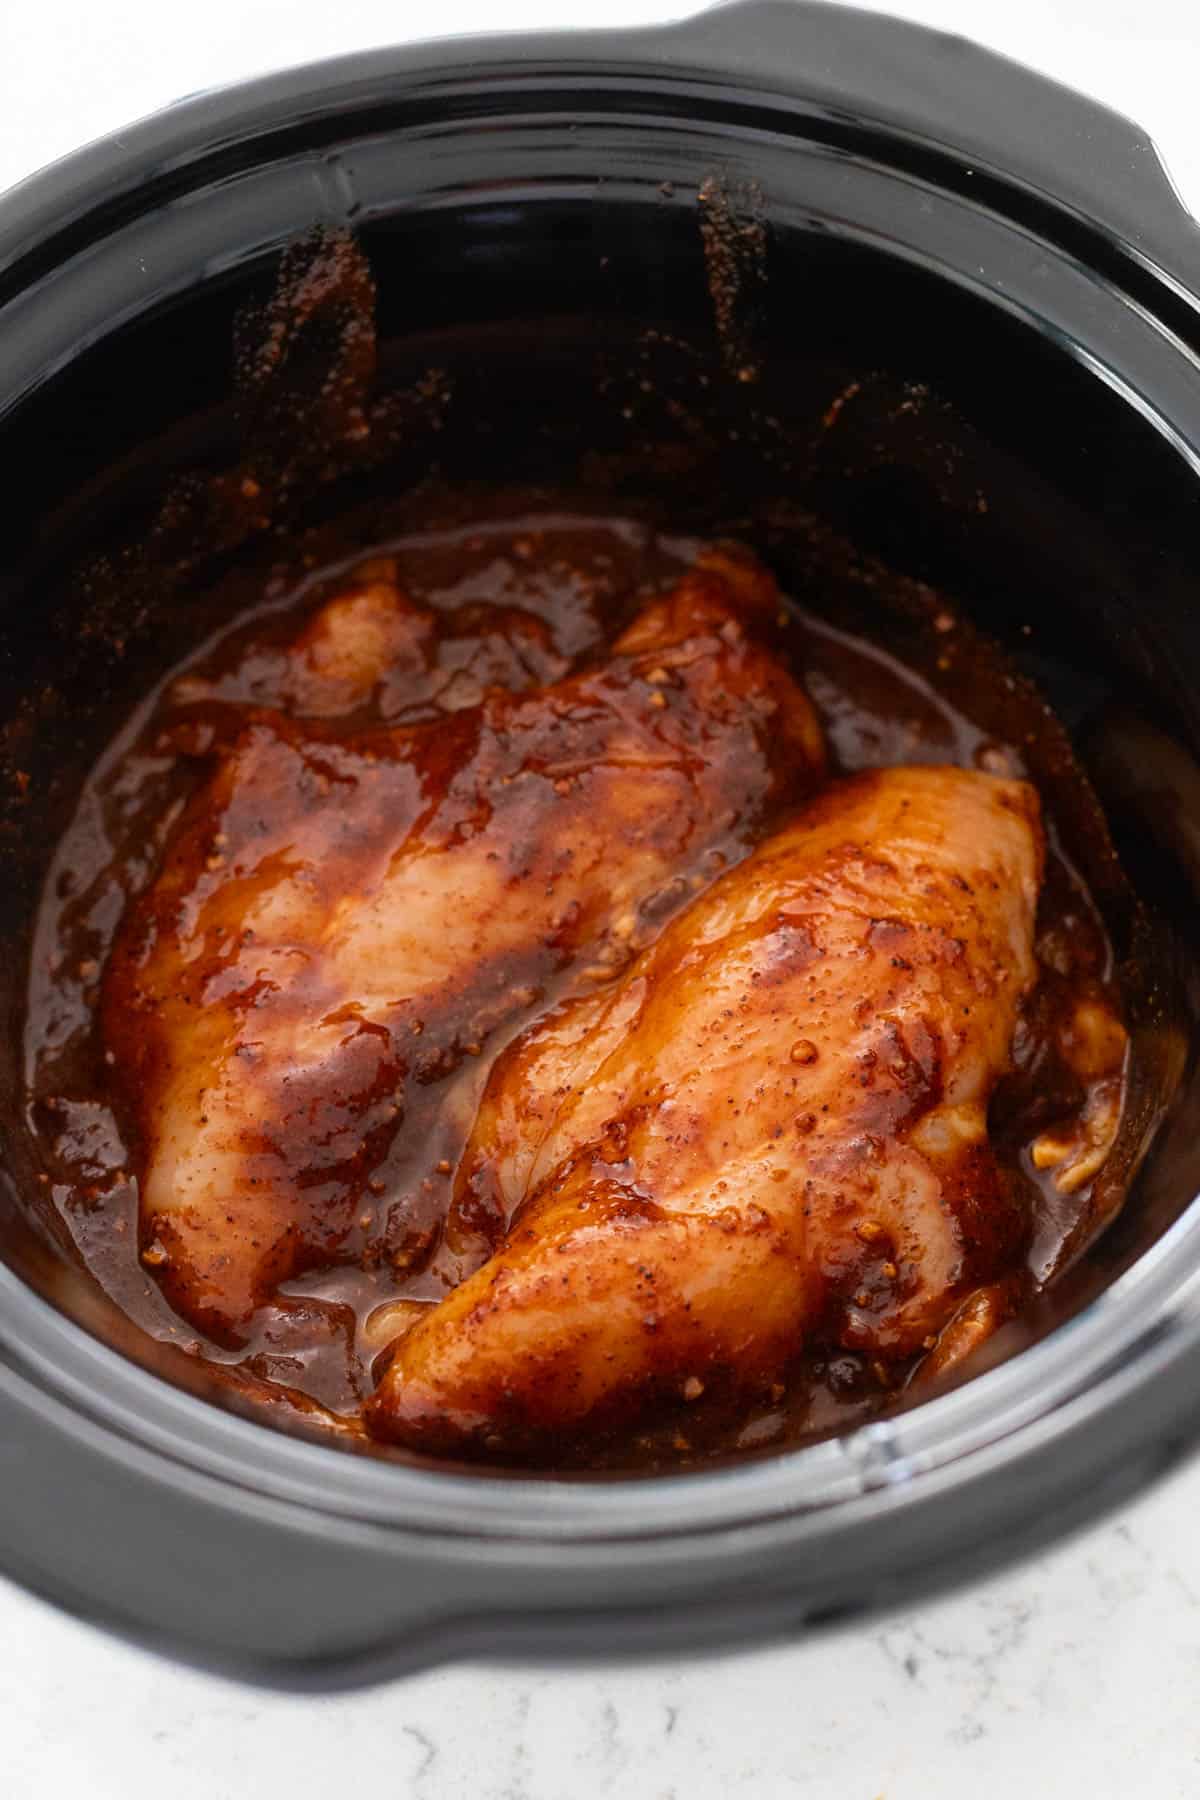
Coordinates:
(1106,171)
(1124,1340)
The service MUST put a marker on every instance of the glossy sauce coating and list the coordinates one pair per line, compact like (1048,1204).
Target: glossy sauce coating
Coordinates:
(418,635)
(343,923)
(772,1127)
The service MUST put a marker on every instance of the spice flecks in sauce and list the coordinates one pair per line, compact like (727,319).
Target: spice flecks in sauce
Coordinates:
(448,616)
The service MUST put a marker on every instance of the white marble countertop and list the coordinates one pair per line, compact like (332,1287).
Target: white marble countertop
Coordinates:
(1076,1674)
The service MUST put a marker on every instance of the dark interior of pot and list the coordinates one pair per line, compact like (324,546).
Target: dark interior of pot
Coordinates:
(881,435)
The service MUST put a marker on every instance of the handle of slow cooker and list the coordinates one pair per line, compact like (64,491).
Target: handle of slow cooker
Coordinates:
(986,111)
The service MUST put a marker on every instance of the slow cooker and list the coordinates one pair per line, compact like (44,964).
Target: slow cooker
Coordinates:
(790,199)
